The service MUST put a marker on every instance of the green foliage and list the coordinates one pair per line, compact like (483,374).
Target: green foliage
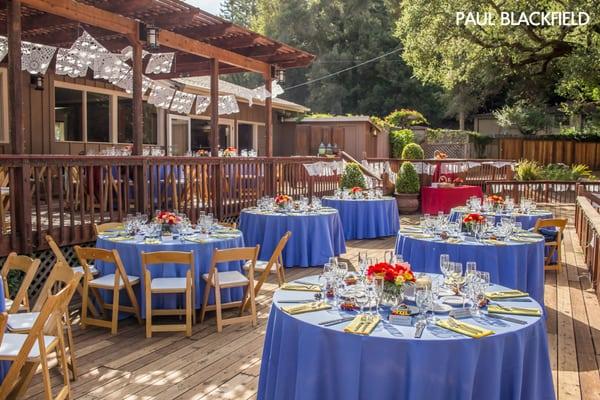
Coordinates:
(352,177)
(413,151)
(528,118)
(447,136)
(588,133)
(404,118)
(528,170)
(407,180)
(240,12)
(398,140)
(14,280)
(480,142)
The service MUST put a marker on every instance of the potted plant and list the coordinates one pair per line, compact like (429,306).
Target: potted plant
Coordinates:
(407,188)
(352,177)
(413,151)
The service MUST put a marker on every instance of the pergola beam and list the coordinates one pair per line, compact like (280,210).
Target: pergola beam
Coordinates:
(126,26)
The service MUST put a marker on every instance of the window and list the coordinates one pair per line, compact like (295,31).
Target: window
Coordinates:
(68,111)
(224,135)
(125,122)
(200,135)
(98,117)
(245,136)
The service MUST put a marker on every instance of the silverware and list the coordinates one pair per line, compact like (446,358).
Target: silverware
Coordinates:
(359,327)
(304,283)
(519,300)
(420,328)
(462,326)
(336,321)
(295,301)
(505,318)
(501,307)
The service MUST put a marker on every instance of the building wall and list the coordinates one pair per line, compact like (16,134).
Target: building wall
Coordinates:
(39,118)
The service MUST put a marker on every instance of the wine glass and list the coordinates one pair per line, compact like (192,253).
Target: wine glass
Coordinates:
(361,297)
(470,269)
(421,301)
(444,261)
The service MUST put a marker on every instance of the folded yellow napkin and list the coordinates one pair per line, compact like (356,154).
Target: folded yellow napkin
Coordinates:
(308,307)
(505,294)
(494,242)
(514,310)
(196,240)
(152,241)
(300,287)
(362,324)
(120,238)
(524,239)
(419,235)
(224,235)
(453,240)
(464,328)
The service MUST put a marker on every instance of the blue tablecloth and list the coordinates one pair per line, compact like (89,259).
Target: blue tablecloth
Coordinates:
(315,237)
(130,251)
(515,265)
(304,361)
(366,218)
(527,220)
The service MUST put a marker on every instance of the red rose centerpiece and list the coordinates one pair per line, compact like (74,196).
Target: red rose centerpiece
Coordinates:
(283,201)
(395,277)
(355,191)
(471,221)
(168,220)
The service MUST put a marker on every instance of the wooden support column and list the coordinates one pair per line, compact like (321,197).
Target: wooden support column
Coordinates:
(214,107)
(141,201)
(269,117)
(21,207)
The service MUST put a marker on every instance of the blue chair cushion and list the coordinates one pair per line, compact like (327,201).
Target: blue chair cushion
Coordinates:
(550,234)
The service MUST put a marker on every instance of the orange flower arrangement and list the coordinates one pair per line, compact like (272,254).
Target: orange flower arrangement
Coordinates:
(230,152)
(356,189)
(167,218)
(395,276)
(474,218)
(282,199)
(440,155)
(496,199)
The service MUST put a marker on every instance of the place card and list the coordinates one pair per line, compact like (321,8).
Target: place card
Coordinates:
(460,314)
(402,320)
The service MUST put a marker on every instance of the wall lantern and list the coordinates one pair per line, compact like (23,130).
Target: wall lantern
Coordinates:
(152,37)
(37,81)
(280,75)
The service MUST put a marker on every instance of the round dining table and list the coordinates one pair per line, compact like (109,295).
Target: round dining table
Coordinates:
(436,199)
(366,218)
(519,265)
(303,360)
(130,250)
(527,220)
(4,365)
(316,235)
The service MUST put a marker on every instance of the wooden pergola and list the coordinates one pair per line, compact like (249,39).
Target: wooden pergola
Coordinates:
(204,45)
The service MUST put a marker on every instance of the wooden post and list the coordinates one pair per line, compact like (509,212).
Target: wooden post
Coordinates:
(21,207)
(141,201)
(269,118)
(214,107)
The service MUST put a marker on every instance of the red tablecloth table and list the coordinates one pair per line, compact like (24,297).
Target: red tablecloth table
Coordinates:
(434,200)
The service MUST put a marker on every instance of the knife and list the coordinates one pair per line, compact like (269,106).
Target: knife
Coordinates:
(505,318)
(419,331)
(520,300)
(336,321)
(295,301)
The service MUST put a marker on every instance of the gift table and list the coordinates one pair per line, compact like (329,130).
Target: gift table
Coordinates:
(435,199)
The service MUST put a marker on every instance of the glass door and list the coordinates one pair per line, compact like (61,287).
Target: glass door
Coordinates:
(178,135)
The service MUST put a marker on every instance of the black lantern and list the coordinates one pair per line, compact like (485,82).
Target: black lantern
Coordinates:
(152,37)
(280,75)
(37,81)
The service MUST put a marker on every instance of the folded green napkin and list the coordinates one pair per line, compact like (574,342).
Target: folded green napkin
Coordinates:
(464,328)
(495,309)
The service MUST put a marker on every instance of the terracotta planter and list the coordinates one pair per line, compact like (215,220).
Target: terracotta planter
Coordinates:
(408,203)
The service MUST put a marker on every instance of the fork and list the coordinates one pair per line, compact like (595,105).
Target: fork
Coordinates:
(453,323)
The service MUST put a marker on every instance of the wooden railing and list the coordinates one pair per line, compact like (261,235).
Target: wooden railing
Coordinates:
(472,171)
(550,192)
(65,195)
(587,226)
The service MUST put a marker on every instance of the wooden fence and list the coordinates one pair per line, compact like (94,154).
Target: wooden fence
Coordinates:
(550,192)
(551,151)
(65,195)
(587,226)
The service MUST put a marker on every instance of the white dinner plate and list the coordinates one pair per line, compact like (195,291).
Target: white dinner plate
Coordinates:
(442,308)
(453,300)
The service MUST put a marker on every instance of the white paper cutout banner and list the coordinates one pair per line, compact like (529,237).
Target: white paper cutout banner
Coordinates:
(182,102)
(228,105)
(35,58)
(202,103)
(3,47)
(160,63)
(276,89)
(76,60)
(161,96)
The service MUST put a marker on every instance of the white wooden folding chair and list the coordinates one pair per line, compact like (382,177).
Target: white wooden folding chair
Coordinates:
(107,226)
(216,280)
(184,285)
(115,282)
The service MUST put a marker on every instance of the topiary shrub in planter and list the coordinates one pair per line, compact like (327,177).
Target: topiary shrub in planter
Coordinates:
(399,139)
(413,151)
(352,177)
(407,188)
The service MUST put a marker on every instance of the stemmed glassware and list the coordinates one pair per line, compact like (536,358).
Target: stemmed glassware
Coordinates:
(445,266)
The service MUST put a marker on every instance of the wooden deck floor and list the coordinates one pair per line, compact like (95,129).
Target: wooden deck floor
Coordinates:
(226,366)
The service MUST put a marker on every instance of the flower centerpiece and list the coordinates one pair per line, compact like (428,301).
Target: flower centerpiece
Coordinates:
(396,277)
(471,220)
(355,192)
(230,152)
(168,220)
(283,200)
(496,201)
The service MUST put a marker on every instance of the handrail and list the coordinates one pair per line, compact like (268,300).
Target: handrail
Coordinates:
(587,226)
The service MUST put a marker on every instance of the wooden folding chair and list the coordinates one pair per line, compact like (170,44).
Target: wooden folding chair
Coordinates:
(78,268)
(29,267)
(27,351)
(115,282)
(61,275)
(107,226)
(265,268)
(229,279)
(231,225)
(183,285)
(552,247)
